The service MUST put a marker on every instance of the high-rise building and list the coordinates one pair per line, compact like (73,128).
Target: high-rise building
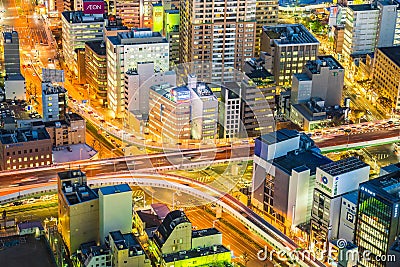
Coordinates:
(11,53)
(290,46)
(378,223)
(369,26)
(204,110)
(171,32)
(333,180)
(220,32)
(96,70)
(54,102)
(386,74)
(130,12)
(124,52)
(266,15)
(338,38)
(78,28)
(258,99)
(284,172)
(324,78)
(388,16)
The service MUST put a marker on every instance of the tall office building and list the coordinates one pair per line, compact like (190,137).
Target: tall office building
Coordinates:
(266,15)
(78,28)
(333,181)
(96,70)
(171,32)
(386,74)
(369,26)
(290,46)
(129,11)
(378,221)
(258,99)
(284,171)
(124,52)
(11,53)
(220,32)
(54,102)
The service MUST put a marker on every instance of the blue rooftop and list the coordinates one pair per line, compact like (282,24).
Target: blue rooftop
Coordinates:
(352,196)
(114,189)
(278,136)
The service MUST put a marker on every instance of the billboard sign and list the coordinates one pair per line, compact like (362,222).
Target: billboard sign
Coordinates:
(93,7)
(180,95)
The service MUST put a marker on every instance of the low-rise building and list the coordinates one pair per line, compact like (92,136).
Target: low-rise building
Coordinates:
(92,255)
(126,250)
(15,87)
(67,132)
(54,102)
(24,148)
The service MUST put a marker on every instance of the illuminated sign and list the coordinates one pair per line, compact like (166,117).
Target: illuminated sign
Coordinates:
(324,180)
(93,7)
(180,96)
(396,210)
(158,18)
(367,191)
(350,217)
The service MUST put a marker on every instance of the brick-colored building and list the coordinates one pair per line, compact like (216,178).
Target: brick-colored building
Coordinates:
(67,132)
(25,148)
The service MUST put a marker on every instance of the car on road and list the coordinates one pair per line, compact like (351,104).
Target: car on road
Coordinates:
(33,74)
(90,112)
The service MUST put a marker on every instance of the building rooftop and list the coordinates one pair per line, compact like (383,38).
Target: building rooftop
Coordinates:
(285,34)
(305,159)
(323,61)
(278,136)
(195,253)
(302,77)
(343,166)
(393,53)
(205,232)
(29,225)
(71,174)
(114,189)
(363,7)
(172,220)
(137,36)
(127,241)
(74,116)
(80,17)
(254,69)
(351,196)
(98,47)
(386,186)
(311,111)
(174,94)
(23,135)
(15,77)
(149,219)
(161,210)
(91,249)
(203,90)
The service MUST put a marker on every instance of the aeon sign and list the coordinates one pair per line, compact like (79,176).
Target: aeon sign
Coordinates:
(93,7)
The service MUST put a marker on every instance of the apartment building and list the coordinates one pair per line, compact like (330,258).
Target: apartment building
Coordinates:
(78,28)
(54,102)
(386,74)
(124,52)
(220,32)
(290,46)
(266,15)
(96,70)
